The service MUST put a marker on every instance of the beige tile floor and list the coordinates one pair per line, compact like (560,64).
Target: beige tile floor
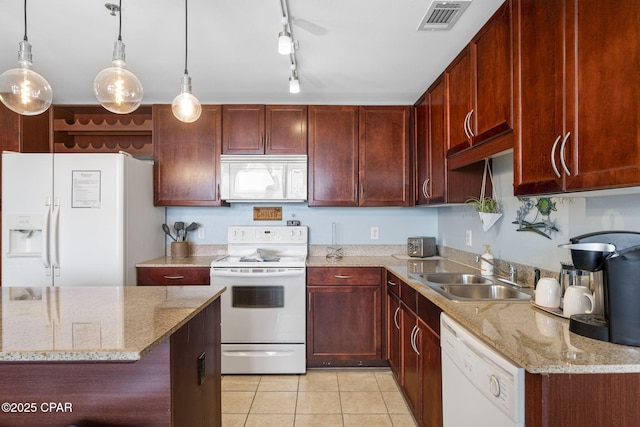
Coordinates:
(322,398)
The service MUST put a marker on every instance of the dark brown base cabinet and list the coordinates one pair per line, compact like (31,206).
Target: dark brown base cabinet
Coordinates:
(178,276)
(394,328)
(413,334)
(344,323)
(163,388)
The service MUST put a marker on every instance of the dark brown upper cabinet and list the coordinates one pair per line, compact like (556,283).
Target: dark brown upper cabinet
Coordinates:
(186,158)
(260,129)
(579,102)
(359,156)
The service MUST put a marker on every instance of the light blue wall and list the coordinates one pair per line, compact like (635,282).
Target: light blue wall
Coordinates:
(352,224)
(574,216)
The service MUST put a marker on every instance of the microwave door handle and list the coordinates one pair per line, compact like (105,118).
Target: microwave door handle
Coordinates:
(285,183)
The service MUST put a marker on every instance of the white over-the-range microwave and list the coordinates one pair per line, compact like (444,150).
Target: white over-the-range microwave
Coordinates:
(263,178)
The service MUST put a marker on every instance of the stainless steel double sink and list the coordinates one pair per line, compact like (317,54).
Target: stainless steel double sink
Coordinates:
(470,287)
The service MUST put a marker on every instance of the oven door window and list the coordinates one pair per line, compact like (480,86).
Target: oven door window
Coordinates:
(257,296)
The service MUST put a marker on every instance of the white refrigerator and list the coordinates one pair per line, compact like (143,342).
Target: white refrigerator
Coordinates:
(77,219)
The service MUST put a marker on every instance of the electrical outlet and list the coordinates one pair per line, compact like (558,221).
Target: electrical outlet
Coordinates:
(469,237)
(375,233)
(201,233)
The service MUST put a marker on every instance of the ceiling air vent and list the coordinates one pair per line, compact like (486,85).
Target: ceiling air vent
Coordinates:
(442,15)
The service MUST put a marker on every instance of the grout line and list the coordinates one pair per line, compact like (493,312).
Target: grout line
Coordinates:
(342,414)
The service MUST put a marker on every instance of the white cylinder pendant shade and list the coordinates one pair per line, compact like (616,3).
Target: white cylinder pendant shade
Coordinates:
(294,84)
(284,42)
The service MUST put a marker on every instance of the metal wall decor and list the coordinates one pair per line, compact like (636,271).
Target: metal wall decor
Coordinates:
(541,223)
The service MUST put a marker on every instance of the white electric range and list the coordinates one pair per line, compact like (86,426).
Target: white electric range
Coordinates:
(264,308)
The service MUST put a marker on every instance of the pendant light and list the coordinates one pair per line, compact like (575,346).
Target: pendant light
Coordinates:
(116,88)
(21,89)
(186,107)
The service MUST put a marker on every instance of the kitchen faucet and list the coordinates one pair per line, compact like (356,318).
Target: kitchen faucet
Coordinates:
(511,273)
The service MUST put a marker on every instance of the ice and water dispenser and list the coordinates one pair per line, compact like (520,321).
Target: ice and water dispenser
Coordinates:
(25,235)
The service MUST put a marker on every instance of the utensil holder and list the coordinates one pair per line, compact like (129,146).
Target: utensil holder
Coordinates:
(179,249)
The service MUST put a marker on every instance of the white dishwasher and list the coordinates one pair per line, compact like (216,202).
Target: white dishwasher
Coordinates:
(479,386)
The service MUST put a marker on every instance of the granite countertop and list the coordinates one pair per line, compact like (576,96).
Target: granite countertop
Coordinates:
(190,261)
(98,324)
(538,341)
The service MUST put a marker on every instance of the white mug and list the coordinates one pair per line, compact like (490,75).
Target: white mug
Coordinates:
(578,300)
(548,292)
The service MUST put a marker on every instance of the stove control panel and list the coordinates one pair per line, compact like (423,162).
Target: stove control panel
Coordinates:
(274,234)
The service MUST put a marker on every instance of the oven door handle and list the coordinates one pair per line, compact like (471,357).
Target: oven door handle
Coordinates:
(288,273)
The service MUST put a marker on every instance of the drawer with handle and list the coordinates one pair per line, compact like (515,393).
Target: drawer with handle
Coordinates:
(167,276)
(344,276)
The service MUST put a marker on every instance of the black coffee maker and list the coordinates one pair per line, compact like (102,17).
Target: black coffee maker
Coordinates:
(613,257)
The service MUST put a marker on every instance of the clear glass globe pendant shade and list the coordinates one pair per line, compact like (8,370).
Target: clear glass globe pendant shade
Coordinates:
(116,88)
(186,107)
(23,90)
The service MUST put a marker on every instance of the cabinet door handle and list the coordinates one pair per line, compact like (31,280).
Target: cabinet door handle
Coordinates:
(261,140)
(338,276)
(564,165)
(414,336)
(266,141)
(465,125)
(174,277)
(390,283)
(425,188)
(395,318)
(471,134)
(553,157)
(309,304)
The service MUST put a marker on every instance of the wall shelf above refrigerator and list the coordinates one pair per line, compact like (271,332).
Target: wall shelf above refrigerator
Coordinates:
(92,129)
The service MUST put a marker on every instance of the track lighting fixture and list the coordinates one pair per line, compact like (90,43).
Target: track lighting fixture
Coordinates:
(23,90)
(185,106)
(287,46)
(116,88)
(285,43)
(294,83)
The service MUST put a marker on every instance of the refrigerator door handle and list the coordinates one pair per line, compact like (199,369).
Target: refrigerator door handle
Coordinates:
(55,255)
(44,253)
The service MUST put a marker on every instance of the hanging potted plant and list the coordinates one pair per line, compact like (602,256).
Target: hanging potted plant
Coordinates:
(488,208)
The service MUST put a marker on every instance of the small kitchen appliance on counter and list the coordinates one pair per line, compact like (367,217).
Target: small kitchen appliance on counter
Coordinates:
(421,247)
(613,258)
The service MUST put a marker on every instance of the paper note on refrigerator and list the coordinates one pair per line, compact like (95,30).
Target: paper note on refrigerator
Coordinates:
(86,189)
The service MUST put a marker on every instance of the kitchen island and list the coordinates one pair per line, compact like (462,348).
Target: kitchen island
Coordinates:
(144,356)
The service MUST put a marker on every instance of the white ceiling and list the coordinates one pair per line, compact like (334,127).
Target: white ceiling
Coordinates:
(360,52)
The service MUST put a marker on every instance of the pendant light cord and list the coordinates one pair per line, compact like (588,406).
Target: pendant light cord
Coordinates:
(119,23)
(25,21)
(185,37)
